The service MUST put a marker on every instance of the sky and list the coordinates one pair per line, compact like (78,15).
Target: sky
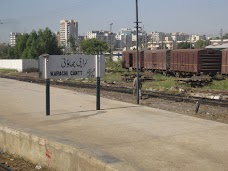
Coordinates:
(189,16)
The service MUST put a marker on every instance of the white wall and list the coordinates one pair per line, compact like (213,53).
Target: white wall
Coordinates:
(29,64)
(19,64)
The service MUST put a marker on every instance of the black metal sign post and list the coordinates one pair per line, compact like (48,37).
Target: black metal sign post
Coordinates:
(47,80)
(47,97)
(98,103)
(98,87)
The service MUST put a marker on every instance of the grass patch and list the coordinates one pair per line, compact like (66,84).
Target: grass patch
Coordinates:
(218,85)
(114,66)
(160,82)
(112,77)
(7,70)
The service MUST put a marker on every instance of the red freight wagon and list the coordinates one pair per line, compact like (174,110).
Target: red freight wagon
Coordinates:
(225,62)
(195,61)
(129,59)
(157,60)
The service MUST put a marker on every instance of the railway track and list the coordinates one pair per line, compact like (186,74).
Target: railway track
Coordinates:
(126,90)
(5,168)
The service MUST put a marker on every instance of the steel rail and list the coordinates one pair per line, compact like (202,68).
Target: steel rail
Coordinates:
(6,168)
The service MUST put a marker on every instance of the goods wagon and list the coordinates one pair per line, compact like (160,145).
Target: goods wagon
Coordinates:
(225,62)
(157,60)
(195,61)
(129,59)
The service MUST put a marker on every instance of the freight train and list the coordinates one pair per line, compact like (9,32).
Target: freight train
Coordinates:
(180,62)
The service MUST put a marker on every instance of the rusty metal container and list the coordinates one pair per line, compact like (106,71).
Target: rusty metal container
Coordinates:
(225,62)
(196,61)
(157,60)
(129,59)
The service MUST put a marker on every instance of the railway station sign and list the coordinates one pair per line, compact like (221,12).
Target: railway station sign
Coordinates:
(71,66)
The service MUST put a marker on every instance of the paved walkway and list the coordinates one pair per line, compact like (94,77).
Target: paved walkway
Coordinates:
(125,136)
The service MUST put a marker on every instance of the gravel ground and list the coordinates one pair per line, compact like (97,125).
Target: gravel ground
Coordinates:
(216,113)
(18,164)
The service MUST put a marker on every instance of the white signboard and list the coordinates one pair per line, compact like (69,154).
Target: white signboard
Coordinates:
(71,66)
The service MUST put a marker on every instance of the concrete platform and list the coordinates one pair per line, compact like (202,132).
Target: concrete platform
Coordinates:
(121,136)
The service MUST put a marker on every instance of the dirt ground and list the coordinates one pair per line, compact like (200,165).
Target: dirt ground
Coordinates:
(18,164)
(216,113)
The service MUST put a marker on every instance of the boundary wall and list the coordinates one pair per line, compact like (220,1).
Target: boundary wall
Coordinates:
(21,65)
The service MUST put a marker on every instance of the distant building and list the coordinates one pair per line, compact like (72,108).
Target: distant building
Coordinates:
(124,39)
(218,41)
(218,46)
(142,39)
(160,40)
(195,38)
(105,36)
(157,36)
(180,37)
(13,37)
(99,35)
(68,28)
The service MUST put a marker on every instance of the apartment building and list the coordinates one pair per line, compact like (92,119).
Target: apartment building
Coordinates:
(180,37)
(142,39)
(99,35)
(157,36)
(105,36)
(195,38)
(124,39)
(13,37)
(68,28)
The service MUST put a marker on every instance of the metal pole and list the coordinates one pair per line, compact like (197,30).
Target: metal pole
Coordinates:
(47,97)
(98,103)
(47,80)
(126,42)
(111,41)
(137,50)
(98,87)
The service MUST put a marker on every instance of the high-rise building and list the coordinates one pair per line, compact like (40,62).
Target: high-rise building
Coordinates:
(13,37)
(124,39)
(68,28)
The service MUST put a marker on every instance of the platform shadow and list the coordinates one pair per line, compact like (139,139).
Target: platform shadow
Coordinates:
(104,110)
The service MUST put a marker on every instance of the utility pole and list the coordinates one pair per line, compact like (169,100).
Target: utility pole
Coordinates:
(221,34)
(162,44)
(137,49)
(111,41)
(126,41)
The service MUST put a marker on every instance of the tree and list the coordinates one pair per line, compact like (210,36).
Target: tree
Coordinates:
(73,46)
(200,44)
(21,45)
(47,43)
(37,43)
(225,36)
(183,45)
(94,46)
